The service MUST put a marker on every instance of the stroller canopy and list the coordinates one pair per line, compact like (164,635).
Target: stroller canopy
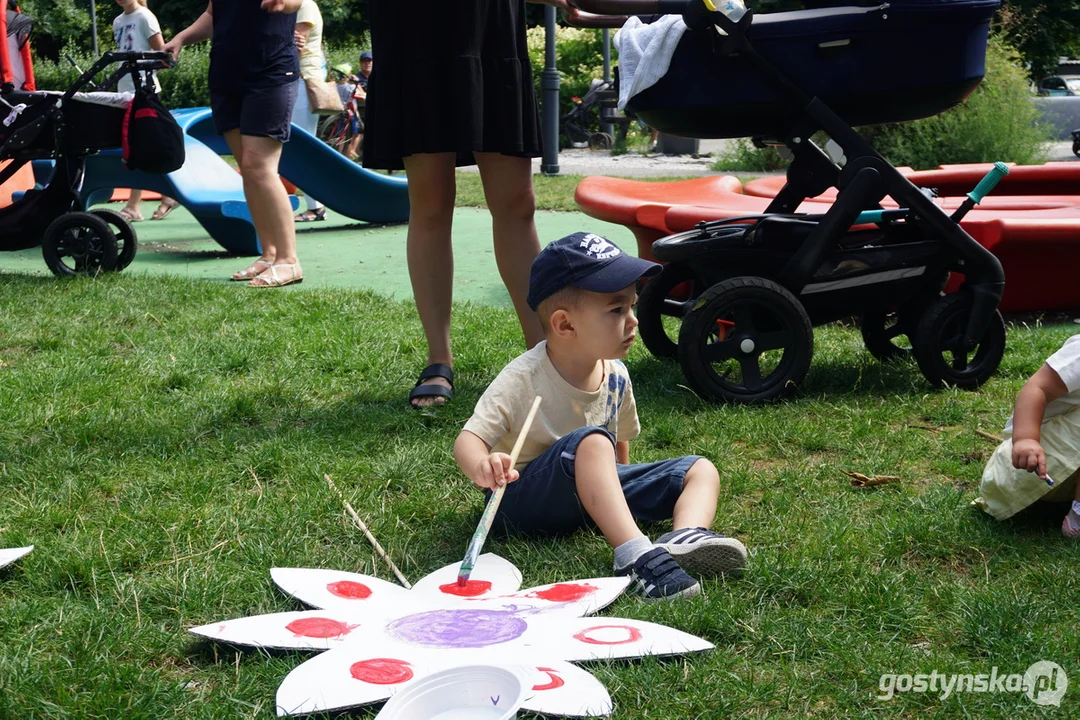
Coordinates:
(15,64)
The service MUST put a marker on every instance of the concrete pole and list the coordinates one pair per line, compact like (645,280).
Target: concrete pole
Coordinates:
(93,24)
(606,126)
(549,86)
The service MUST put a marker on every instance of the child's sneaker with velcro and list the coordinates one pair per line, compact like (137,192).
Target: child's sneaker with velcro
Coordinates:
(703,552)
(656,576)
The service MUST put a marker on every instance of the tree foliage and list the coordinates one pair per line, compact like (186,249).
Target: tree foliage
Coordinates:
(60,24)
(1042,31)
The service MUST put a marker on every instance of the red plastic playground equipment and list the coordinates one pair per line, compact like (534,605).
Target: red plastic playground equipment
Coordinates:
(1032,223)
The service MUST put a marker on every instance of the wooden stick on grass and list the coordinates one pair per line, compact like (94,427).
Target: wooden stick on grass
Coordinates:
(371,538)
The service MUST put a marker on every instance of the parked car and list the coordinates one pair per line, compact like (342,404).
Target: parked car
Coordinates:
(1059,85)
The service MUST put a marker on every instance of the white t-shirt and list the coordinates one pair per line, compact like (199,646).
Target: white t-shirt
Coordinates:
(1066,363)
(312,59)
(132,32)
(501,411)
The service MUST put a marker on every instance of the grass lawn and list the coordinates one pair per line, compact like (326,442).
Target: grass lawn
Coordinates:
(163,444)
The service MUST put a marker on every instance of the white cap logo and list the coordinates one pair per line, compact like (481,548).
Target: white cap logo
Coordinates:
(597,247)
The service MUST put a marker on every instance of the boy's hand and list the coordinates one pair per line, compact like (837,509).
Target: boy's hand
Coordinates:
(1029,455)
(494,471)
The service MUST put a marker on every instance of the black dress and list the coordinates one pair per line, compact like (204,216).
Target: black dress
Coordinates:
(451,76)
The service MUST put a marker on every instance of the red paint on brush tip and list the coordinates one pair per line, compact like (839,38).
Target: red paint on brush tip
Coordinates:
(466,588)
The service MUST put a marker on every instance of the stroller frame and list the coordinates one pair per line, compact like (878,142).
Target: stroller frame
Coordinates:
(56,127)
(761,282)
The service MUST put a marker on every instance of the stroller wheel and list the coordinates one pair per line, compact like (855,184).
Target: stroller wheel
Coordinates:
(887,332)
(78,243)
(601,141)
(939,344)
(661,306)
(746,340)
(126,240)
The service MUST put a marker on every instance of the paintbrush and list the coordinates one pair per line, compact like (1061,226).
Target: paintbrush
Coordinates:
(484,526)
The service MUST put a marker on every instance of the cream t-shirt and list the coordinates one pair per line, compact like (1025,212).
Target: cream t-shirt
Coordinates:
(312,59)
(1066,363)
(500,413)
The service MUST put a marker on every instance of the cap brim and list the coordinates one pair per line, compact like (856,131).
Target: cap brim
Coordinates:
(623,271)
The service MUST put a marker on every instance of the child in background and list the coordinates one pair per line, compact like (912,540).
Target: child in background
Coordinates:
(573,469)
(1042,444)
(137,30)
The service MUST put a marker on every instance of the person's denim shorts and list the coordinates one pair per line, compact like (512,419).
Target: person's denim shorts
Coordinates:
(544,500)
(260,112)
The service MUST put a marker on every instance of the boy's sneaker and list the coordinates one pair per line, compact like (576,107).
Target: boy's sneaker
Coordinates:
(1070,526)
(704,552)
(656,576)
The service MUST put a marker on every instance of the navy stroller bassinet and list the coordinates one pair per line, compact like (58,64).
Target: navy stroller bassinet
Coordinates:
(892,62)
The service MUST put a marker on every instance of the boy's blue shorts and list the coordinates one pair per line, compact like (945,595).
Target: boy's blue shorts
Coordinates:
(544,500)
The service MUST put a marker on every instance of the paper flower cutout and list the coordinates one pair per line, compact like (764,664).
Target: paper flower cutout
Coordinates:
(10,555)
(379,636)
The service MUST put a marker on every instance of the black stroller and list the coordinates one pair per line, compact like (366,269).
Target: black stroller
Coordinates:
(749,289)
(602,96)
(66,127)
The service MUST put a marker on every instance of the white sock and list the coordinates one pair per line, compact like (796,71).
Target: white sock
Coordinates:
(628,553)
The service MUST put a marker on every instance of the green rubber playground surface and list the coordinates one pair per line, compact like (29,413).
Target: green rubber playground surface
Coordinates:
(338,252)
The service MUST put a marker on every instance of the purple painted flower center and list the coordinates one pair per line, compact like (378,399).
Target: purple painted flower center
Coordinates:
(458,628)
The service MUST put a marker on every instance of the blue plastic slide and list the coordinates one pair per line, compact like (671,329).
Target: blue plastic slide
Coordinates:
(330,177)
(213,191)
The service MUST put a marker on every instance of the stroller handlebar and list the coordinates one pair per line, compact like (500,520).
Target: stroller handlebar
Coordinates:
(633,7)
(578,18)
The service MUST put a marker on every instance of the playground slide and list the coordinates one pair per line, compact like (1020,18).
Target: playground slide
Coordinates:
(330,177)
(213,191)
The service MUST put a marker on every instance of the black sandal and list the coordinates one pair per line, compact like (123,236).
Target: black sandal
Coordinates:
(435,370)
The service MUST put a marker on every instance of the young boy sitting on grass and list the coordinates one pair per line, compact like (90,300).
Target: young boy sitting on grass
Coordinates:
(1042,440)
(573,469)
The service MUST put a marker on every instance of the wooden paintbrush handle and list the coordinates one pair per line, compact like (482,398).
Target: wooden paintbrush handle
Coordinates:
(484,526)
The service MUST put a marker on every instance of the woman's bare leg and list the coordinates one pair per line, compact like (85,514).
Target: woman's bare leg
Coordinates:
(430,253)
(509,192)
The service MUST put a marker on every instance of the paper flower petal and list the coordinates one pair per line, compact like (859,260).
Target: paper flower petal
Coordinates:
(577,598)
(347,677)
(564,690)
(10,555)
(338,590)
(304,630)
(492,575)
(606,638)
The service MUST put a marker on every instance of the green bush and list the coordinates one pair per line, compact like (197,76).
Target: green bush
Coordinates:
(741,155)
(997,122)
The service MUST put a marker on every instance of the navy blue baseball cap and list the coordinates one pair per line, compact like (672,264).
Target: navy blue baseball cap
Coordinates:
(366,55)
(587,261)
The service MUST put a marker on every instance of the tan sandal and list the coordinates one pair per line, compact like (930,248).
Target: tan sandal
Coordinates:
(271,278)
(252,271)
(131,215)
(167,206)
